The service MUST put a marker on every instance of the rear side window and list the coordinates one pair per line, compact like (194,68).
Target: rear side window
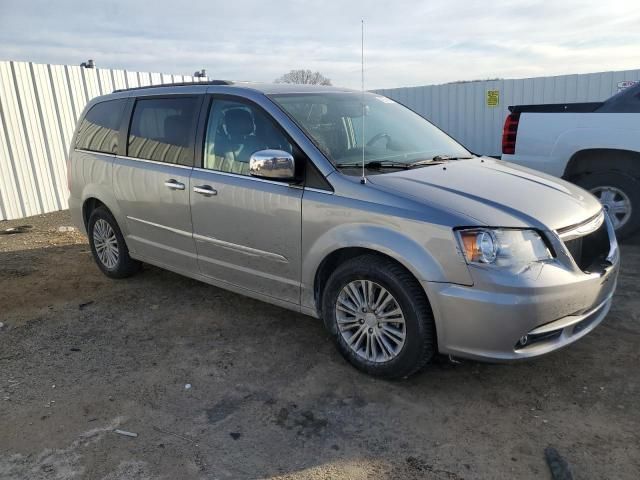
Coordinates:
(98,131)
(163,129)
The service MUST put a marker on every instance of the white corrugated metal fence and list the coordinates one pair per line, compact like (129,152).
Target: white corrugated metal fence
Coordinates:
(40,104)
(39,107)
(467,111)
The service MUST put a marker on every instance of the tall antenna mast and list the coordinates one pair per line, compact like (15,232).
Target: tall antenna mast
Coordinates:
(363,180)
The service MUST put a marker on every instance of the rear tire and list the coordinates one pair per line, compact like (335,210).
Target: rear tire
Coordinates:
(379,317)
(620,195)
(107,244)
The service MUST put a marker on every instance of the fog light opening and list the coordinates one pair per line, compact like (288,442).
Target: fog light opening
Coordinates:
(535,338)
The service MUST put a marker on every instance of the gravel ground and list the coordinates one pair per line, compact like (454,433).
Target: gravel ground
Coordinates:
(216,385)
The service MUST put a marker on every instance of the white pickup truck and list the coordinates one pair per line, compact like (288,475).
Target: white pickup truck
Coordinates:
(595,145)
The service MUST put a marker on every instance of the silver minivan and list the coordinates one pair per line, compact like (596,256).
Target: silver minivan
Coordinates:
(348,207)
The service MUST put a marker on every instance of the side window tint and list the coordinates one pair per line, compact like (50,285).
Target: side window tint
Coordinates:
(236,130)
(99,128)
(163,129)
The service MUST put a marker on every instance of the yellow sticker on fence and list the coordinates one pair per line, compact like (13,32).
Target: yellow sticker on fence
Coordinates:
(493,98)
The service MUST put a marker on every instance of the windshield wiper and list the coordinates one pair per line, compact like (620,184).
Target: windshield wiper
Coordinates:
(374,165)
(380,164)
(436,160)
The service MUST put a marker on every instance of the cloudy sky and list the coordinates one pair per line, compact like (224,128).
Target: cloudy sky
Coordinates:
(406,42)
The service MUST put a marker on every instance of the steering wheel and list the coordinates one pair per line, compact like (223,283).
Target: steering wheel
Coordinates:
(379,136)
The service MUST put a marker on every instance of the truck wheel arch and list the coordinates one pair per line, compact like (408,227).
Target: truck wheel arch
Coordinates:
(615,173)
(588,161)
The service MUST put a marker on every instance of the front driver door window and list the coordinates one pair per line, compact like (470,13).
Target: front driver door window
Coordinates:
(234,132)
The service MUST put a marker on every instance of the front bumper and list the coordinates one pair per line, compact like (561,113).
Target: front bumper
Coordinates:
(510,317)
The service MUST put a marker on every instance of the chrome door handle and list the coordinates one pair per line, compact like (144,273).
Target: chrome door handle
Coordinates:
(174,185)
(205,190)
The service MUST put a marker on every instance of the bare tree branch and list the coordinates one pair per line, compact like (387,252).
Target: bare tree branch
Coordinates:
(304,77)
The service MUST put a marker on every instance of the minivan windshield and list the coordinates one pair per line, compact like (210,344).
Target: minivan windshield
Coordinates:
(394,136)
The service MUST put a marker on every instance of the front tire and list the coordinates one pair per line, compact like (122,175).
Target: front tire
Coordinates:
(107,244)
(379,317)
(619,193)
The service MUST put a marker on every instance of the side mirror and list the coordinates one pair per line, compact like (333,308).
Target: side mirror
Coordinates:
(273,165)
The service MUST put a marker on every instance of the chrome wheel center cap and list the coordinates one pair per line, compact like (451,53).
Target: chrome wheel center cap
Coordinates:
(370,319)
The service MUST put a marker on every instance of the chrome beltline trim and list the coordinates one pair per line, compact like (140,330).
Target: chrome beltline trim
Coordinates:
(144,160)
(93,152)
(239,175)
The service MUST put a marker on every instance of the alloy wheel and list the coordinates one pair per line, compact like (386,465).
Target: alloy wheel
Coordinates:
(106,244)
(370,321)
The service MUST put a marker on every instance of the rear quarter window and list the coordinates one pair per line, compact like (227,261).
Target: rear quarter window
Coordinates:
(98,131)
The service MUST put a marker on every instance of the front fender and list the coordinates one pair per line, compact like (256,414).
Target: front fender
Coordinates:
(418,259)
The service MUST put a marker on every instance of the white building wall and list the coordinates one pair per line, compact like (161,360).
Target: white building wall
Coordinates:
(39,108)
(461,109)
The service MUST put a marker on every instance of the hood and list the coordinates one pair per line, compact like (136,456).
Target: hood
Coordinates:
(495,193)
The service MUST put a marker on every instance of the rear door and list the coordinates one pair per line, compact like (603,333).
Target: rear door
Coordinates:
(247,230)
(151,181)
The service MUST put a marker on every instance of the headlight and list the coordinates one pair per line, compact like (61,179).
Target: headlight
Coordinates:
(502,247)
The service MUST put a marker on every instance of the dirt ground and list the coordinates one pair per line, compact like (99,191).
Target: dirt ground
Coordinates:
(269,397)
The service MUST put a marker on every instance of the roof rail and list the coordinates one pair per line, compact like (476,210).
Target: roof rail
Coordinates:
(178,84)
